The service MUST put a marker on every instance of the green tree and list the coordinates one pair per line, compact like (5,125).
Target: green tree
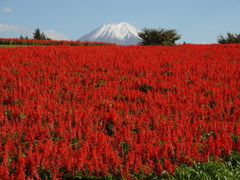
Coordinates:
(231,38)
(21,37)
(39,35)
(159,37)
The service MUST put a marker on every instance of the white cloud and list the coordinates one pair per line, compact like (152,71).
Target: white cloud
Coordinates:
(11,28)
(7,10)
(55,35)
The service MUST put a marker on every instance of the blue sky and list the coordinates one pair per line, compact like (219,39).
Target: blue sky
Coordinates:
(198,21)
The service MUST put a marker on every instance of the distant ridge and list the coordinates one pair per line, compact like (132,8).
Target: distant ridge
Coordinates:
(122,33)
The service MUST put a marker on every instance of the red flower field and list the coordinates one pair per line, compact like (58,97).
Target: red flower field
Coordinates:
(120,110)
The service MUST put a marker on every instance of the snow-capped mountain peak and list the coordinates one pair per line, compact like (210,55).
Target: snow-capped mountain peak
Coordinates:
(121,33)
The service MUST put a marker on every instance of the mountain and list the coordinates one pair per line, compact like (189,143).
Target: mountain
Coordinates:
(122,33)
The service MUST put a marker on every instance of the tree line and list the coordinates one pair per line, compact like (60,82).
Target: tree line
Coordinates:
(37,35)
(170,36)
(161,36)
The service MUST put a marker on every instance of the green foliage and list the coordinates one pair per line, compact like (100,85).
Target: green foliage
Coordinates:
(26,42)
(159,37)
(109,128)
(144,88)
(40,35)
(231,38)
(21,37)
(125,147)
(44,174)
(229,169)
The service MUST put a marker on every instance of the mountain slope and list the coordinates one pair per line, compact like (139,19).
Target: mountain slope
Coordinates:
(121,33)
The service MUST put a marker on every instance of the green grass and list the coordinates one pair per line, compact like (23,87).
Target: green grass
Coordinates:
(229,169)
(3,45)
